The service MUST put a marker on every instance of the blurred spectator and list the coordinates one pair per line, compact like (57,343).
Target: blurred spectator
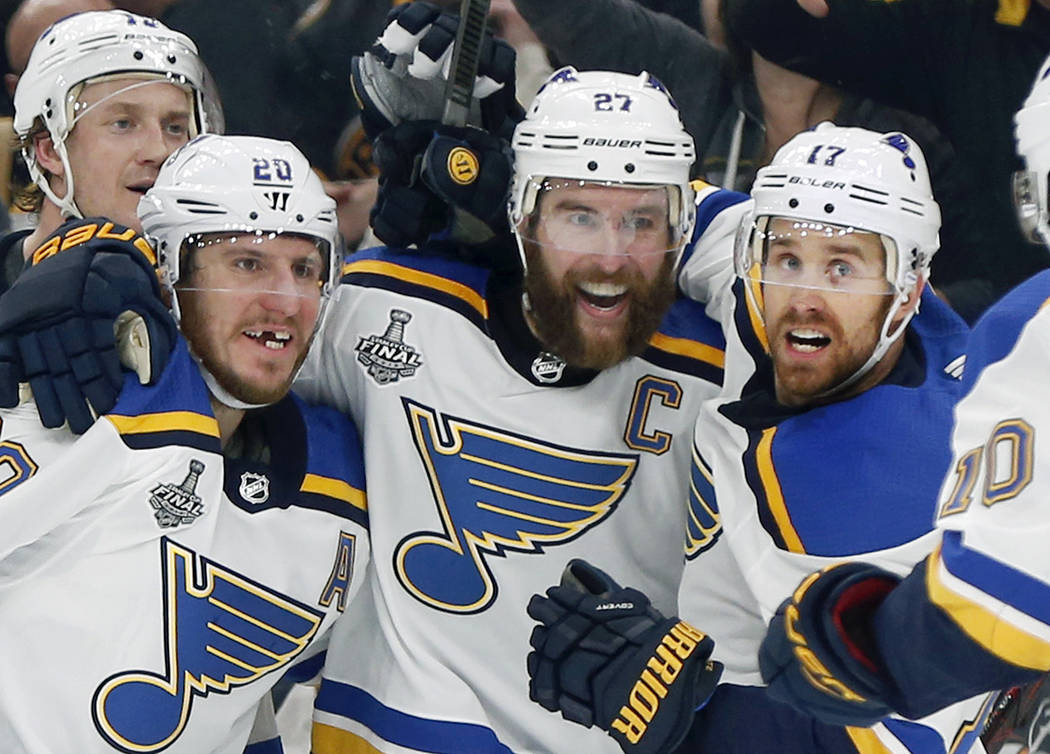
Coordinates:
(533,66)
(740,109)
(964,64)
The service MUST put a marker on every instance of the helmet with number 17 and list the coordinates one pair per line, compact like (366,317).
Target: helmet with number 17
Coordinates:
(834,182)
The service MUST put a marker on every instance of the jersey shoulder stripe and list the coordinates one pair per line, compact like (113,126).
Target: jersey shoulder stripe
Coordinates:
(334,480)
(998,330)
(399,728)
(1004,610)
(175,411)
(446,282)
(690,342)
(711,201)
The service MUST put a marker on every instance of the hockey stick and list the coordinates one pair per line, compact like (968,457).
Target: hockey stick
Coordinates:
(466,51)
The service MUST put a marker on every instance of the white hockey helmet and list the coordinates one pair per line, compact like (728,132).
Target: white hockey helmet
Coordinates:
(233,185)
(93,45)
(1031,194)
(608,128)
(238,184)
(841,180)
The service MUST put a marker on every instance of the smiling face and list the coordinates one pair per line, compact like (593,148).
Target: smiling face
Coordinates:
(249,306)
(825,297)
(118,144)
(599,270)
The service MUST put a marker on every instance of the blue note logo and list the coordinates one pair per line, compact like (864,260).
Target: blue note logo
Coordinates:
(704,524)
(222,631)
(496,493)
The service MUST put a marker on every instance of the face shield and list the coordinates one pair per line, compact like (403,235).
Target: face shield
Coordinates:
(255,262)
(603,217)
(782,251)
(202,104)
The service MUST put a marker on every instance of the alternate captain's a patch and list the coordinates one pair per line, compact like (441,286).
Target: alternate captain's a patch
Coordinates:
(388,357)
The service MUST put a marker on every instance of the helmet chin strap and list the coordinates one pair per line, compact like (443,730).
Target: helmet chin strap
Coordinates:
(221,394)
(885,341)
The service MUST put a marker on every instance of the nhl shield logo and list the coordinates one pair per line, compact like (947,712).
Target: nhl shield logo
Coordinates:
(255,488)
(547,367)
(178,504)
(387,357)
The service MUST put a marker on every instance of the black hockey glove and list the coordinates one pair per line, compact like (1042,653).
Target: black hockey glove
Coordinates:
(90,298)
(437,179)
(604,656)
(403,76)
(818,654)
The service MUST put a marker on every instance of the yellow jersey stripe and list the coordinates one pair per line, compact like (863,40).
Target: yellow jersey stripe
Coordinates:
(335,488)
(985,626)
(866,741)
(1012,12)
(692,349)
(754,305)
(774,495)
(327,739)
(417,277)
(168,421)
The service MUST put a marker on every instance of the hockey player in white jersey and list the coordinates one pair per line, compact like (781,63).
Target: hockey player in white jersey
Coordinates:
(837,404)
(160,572)
(973,615)
(520,423)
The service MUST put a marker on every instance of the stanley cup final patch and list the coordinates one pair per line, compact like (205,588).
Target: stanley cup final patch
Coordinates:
(176,504)
(388,357)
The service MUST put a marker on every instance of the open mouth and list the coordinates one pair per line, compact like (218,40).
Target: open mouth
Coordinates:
(807,341)
(275,341)
(141,188)
(603,296)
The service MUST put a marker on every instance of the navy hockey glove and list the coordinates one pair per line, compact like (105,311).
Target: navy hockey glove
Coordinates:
(90,297)
(604,656)
(437,179)
(819,655)
(403,76)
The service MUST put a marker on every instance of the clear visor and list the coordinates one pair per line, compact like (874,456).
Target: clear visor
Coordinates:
(257,261)
(773,250)
(598,217)
(211,119)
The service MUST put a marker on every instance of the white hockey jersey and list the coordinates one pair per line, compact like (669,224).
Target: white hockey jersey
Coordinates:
(494,465)
(778,493)
(153,591)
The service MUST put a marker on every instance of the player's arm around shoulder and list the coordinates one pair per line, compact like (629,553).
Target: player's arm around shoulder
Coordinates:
(705,271)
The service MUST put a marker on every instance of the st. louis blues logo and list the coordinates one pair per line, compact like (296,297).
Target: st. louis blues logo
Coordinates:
(900,141)
(387,356)
(222,631)
(704,525)
(178,504)
(498,492)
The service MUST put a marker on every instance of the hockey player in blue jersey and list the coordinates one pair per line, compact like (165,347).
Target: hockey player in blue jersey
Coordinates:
(829,363)
(161,571)
(854,642)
